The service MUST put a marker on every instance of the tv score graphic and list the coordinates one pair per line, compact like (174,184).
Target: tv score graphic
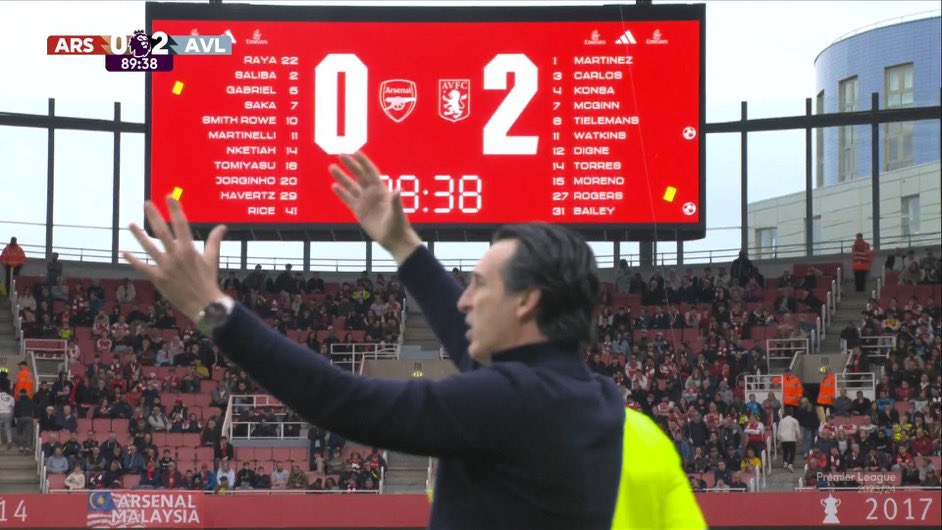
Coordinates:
(139,52)
(589,117)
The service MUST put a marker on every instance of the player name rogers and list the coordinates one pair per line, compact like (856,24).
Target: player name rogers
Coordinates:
(251,89)
(247,195)
(242,135)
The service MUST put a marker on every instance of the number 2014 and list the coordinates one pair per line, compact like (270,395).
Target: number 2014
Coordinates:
(496,139)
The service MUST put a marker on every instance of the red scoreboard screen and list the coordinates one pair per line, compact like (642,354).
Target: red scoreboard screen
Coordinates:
(584,116)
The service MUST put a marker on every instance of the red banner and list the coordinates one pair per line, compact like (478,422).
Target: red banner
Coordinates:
(254,510)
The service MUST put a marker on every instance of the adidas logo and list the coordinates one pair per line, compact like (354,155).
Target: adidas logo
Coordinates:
(627,38)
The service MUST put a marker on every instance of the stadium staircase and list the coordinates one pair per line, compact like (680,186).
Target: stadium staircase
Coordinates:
(406,473)
(418,334)
(18,472)
(852,303)
(9,346)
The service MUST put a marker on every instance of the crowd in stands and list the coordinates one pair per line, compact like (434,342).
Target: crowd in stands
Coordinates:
(679,356)
(146,359)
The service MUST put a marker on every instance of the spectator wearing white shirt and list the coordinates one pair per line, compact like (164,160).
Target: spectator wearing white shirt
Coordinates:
(76,479)
(225,470)
(789,433)
(279,477)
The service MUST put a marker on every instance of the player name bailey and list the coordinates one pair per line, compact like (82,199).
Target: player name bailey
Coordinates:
(603,59)
(587,211)
(261,165)
(260,75)
(605,120)
(240,120)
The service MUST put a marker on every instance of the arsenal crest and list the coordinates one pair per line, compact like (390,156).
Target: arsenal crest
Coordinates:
(454,99)
(397,98)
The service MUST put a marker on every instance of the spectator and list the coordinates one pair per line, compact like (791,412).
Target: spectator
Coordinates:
(132,462)
(263,481)
(206,478)
(57,463)
(279,477)
(48,421)
(223,450)
(742,270)
(861,256)
(755,434)
(808,421)
(13,258)
(126,293)
(24,381)
(751,461)
(7,404)
(225,473)
(245,478)
(112,475)
(25,413)
(861,405)
(76,479)
(67,419)
(150,476)
(297,479)
(171,478)
(931,480)
(843,406)
(789,433)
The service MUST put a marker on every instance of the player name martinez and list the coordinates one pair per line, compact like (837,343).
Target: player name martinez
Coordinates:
(598,181)
(264,165)
(596,105)
(231,180)
(597,76)
(593,210)
(251,150)
(242,135)
(603,59)
(247,195)
(262,75)
(605,120)
(599,135)
(240,120)
(604,90)
(251,89)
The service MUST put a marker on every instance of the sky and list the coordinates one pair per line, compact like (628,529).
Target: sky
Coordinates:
(757,51)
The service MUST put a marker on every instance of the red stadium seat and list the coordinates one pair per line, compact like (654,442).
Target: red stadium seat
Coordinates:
(56,481)
(131,480)
(160,438)
(281,453)
(298,454)
(244,453)
(175,439)
(263,453)
(101,425)
(204,454)
(84,425)
(190,439)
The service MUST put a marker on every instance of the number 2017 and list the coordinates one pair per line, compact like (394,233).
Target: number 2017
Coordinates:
(496,139)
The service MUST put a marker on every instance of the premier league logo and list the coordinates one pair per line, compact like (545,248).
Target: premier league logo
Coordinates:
(140,44)
(454,99)
(397,98)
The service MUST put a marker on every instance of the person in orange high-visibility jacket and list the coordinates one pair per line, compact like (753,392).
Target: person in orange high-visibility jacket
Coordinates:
(826,393)
(792,390)
(861,256)
(12,259)
(24,381)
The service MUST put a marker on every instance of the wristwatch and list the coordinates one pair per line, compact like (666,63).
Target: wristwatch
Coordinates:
(215,315)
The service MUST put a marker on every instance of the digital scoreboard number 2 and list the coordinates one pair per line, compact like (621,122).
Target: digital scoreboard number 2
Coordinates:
(496,140)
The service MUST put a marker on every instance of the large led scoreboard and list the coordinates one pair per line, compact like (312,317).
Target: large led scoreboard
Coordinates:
(588,116)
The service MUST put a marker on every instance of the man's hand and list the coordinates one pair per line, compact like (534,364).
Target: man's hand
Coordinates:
(184,276)
(378,210)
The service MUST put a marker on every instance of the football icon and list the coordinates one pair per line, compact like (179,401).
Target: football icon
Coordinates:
(689,208)
(690,133)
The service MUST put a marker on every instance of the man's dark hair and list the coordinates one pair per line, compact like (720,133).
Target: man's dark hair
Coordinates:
(561,265)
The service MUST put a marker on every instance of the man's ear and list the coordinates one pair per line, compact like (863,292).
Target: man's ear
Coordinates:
(528,304)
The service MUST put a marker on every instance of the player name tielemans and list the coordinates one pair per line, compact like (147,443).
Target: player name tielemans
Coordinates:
(605,120)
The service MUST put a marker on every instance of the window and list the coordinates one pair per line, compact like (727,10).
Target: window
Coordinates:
(848,103)
(766,241)
(909,215)
(819,144)
(898,136)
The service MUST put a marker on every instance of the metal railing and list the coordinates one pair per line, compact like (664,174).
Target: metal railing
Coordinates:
(865,382)
(350,356)
(762,384)
(878,345)
(889,22)
(784,351)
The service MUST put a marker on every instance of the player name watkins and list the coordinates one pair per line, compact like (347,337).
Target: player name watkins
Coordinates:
(599,135)
(603,60)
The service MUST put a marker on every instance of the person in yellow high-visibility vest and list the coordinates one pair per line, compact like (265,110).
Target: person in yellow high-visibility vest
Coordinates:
(654,493)
(826,393)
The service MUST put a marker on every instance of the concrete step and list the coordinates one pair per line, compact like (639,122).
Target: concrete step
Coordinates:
(21,488)
(19,476)
(17,462)
(404,489)
(396,460)
(399,477)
